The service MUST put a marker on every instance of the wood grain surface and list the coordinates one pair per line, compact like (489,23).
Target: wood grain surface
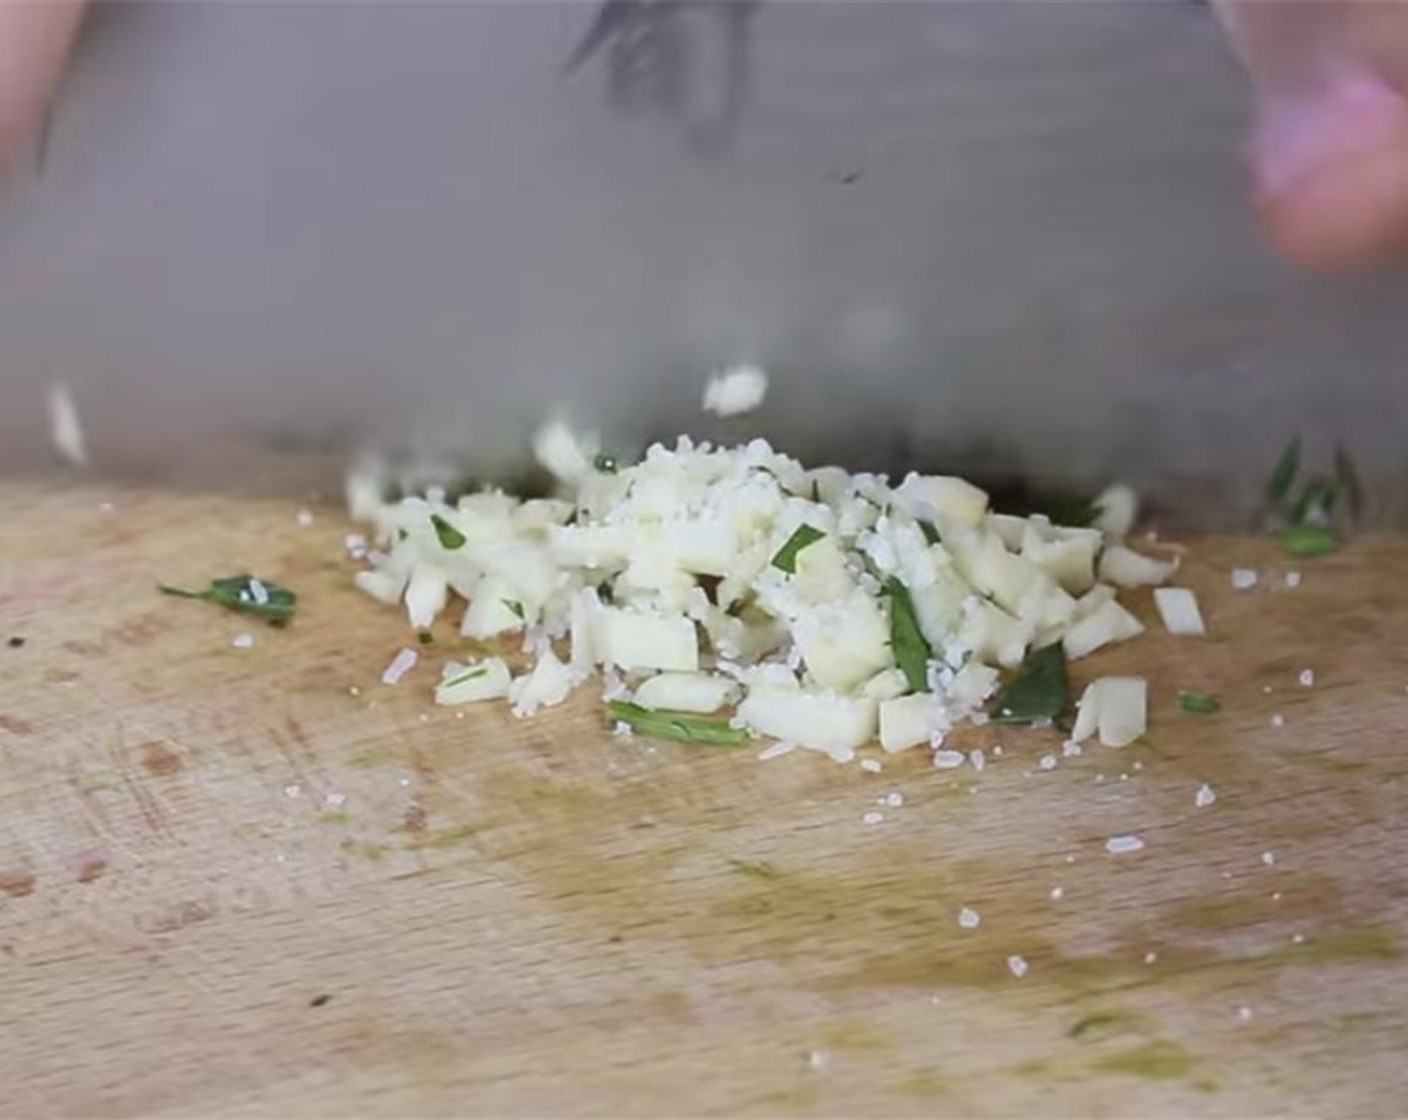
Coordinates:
(228,885)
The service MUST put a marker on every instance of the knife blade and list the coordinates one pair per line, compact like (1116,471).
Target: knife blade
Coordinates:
(983,237)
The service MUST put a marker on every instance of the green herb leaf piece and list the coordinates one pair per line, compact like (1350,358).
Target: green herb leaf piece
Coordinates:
(606,463)
(931,534)
(786,558)
(515,608)
(247,594)
(15,641)
(678,726)
(1284,473)
(1315,502)
(1347,475)
(1309,540)
(1200,703)
(759,869)
(450,537)
(426,638)
(1038,691)
(911,650)
(473,674)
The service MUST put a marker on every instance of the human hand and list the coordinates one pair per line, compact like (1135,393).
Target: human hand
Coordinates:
(35,36)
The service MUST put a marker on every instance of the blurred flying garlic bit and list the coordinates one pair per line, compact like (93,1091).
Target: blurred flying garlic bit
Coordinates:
(686,60)
(65,429)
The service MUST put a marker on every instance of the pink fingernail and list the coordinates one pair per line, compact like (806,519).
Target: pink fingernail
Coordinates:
(1351,111)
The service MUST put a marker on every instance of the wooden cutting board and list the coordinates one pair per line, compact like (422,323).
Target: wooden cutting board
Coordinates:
(257,881)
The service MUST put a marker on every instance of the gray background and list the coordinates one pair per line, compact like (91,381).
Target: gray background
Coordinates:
(990,235)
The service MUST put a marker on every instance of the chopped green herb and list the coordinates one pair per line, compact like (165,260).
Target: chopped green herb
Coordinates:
(1347,475)
(1038,691)
(515,608)
(472,675)
(931,534)
(606,463)
(244,593)
(756,870)
(1081,516)
(1092,1022)
(15,642)
(679,726)
(426,638)
(401,534)
(1308,540)
(1200,703)
(1315,502)
(1284,473)
(911,650)
(786,558)
(450,537)
(816,491)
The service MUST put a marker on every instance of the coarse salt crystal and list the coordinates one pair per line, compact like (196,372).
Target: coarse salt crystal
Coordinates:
(872,817)
(242,641)
(1204,797)
(1137,765)
(997,751)
(948,760)
(623,730)
(1119,845)
(977,759)
(294,790)
(401,664)
(305,517)
(894,800)
(1070,859)
(1244,1013)
(107,507)
(1297,938)
(1268,858)
(776,750)
(1057,894)
(258,593)
(1017,966)
(353,690)
(1275,896)
(1243,578)
(1306,678)
(1150,957)
(1292,579)
(871,765)
(1070,748)
(1047,762)
(818,1060)
(335,800)
(969,918)
(1278,720)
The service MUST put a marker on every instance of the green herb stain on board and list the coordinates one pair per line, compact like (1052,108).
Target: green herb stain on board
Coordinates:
(1161,1060)
(1103,1023)
(756,870)
(925,1083)
(852,1035)
(334,816)
(447,838)
(1346,945)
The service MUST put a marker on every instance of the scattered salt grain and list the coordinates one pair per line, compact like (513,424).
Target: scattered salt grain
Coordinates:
(1275,896)
(1306,678)
(1119,845)
(1278,720)
(869,765)
(1292,580)
(818,1060)
(1268,858)
(1204,797)
(622,730)
(335,800)
(997,751)
(948,760)
(1297,938)
(1070,859)
(107,507)
(1137,765)
(424,718)
(894,800)
(1070,748)
(1047,762)
(1057,894)
(353,690)
(1017,966)
(1244,1013)
(1266,690)
(1150,957)
(1243,578)
(305,517)
(242,641)
(1041,723)
(294,790)
(977,759)
(1099,777)
(872,817)
(969,918)
(1124,777)
(400,665)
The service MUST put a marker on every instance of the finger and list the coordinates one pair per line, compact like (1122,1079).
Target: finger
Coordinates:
(35,36)
(1331,173)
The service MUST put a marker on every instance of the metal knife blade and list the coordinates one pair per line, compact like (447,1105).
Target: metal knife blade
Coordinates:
(978,236)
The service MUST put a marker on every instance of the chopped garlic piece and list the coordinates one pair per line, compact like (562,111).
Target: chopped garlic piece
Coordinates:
(836,725)
(686,692)
(736,390)
(1126,568)
(1115,708)
(1106,624)
(1119,509)
(1178,607)
(467,684)
(65,429)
